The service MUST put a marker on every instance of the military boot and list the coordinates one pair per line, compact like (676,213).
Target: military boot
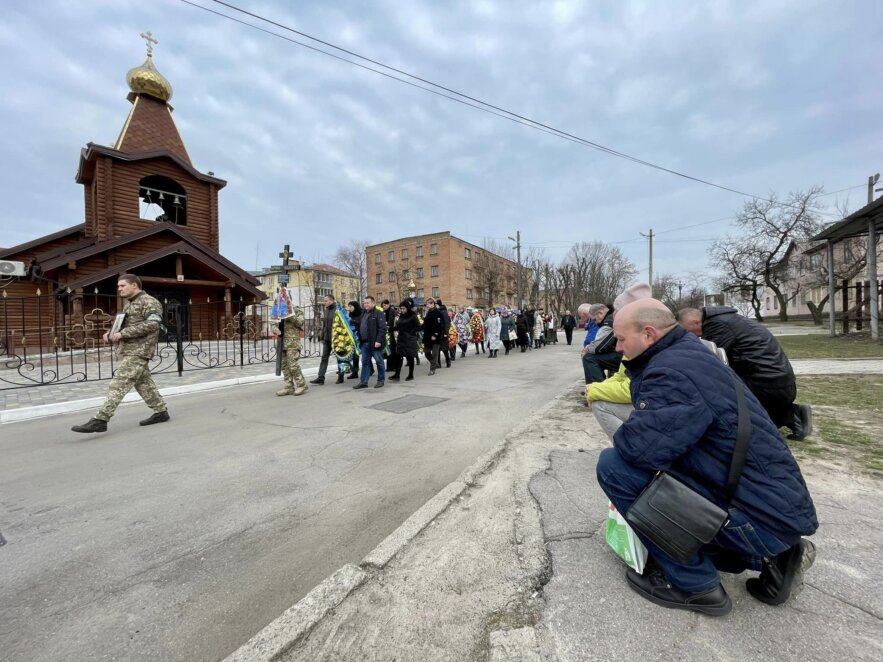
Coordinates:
(94,425)
(158,417)
(285,391)
(300,390)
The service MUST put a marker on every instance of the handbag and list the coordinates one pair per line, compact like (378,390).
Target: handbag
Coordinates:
(678,519)
(513,335)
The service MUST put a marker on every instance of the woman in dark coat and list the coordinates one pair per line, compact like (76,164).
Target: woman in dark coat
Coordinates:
(522,325)
(406,328)
(506,325)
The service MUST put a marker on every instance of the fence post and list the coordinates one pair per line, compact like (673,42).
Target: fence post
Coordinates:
(179,333)
(242,327)
(845,295)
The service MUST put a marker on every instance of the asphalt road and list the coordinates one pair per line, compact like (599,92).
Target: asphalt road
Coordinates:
(180,541)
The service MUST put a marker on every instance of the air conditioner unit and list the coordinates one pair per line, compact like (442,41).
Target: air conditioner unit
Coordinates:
(11,268)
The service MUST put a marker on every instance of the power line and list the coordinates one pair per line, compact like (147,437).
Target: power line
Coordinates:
(484,105)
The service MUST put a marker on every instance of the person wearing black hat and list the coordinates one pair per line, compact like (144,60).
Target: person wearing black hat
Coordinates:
(433,334)
(407,326)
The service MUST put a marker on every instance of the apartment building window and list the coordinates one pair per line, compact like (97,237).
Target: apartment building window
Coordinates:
(468,293)
(433,249)
(378,278)
(420,293)
(467,253)
(406,273)
(379,296)
(404,253)
(391,256)
(419,272)
(420,251)
(376,258)
(392,276)
(435,292)
(433,271)
(469,274)
(392,298)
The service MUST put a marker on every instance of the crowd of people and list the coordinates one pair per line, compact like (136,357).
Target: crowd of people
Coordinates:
(390,338)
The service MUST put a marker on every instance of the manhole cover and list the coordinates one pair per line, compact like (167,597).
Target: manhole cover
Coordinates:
(407,403)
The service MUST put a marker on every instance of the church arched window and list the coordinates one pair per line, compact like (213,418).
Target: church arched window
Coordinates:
(162,199)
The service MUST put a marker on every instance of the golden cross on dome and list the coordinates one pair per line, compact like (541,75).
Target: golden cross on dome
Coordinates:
(148,37)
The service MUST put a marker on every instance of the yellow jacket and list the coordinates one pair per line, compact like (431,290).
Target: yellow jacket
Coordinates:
(612,389)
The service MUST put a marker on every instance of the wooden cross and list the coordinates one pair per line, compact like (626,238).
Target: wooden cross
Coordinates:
(285,254)
(148,37)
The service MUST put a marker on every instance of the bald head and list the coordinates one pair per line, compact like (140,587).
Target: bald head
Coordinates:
(691,320)
(641,324)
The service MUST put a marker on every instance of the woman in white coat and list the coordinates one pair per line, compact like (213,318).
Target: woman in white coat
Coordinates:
(492,330)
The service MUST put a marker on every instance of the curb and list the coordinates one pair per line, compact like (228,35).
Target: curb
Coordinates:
(299,620)
(55,408)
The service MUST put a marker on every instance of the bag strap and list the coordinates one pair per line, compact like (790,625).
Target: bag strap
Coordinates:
(743,438)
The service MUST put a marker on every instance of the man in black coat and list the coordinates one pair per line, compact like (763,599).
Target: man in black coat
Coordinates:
(757,357)
(330,310)
(389,314)
(372,336)
(433,334)
(568,323)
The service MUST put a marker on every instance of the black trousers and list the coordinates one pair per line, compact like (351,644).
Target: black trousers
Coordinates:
(568,333)
(778,402)
(323,364)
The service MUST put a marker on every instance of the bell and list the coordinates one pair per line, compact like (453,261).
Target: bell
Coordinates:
(161,196)
(176,202)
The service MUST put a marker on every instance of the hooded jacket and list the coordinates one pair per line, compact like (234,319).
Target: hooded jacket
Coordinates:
(685,421)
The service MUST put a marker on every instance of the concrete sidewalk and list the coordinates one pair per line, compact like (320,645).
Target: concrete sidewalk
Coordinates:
(510,563)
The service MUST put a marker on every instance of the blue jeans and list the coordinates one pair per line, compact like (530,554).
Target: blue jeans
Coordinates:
(368,352)
(740,545)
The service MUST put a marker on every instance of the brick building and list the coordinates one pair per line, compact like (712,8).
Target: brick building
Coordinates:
(148,211)
(442,265)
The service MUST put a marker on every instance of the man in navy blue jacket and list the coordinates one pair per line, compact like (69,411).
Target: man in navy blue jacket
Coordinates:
(685,423)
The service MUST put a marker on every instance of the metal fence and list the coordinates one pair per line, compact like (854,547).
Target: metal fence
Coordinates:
(47,340)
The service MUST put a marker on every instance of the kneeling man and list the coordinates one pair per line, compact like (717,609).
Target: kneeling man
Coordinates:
(684,422)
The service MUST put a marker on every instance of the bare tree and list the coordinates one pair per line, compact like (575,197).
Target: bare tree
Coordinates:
(598,272)
(741,270)
(769,226)
(352,258)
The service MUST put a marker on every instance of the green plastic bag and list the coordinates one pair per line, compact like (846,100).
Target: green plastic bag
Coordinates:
(624,542)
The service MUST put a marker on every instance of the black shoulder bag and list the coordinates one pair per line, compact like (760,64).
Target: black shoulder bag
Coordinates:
(679,520)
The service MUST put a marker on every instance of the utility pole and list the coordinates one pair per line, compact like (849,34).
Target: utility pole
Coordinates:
(680,287)
(517,240)
(650,274)
(872,179)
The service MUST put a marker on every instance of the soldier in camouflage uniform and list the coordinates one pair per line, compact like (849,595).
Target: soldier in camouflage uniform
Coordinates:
(137,343)
(290,329)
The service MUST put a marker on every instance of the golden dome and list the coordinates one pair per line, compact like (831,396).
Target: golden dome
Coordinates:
(147,80)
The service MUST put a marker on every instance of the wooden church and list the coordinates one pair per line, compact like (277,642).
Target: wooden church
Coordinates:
(148,211)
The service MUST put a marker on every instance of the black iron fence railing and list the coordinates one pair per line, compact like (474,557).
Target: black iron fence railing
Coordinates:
(46,340)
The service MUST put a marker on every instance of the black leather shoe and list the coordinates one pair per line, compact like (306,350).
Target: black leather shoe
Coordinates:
(317,380)
(782,575)
(654,587)
(158,417)
(93,425)
(360,385)
(340,378)
(802,424)
(394,378)
(378,385)
(432,371)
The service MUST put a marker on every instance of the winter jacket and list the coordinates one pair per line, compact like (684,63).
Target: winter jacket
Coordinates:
(506,325)
(568,322)
(613,389)
(605,329)
(754,354)
(433,327)
(372,328)
(591,332)
(685,421)
(407,327)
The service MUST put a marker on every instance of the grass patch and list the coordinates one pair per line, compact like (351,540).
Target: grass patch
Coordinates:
(818,346)
(856,392)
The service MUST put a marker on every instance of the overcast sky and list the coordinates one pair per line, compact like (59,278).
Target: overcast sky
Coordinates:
(757,96)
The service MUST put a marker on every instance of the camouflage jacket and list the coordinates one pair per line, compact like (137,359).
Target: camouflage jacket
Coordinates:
(291,328)
(141,326)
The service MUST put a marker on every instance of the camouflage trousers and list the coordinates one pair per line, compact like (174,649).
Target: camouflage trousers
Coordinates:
(132,372)
(291,372)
